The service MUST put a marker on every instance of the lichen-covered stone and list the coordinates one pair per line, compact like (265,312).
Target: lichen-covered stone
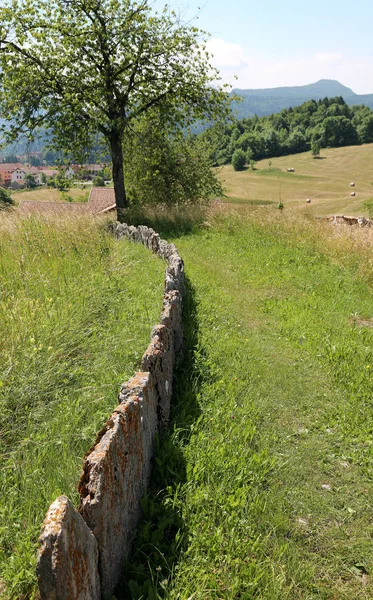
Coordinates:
(67,567)
(171,317)
(116,474)
(159,361)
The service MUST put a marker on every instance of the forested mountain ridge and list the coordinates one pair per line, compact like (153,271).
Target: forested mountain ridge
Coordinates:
(263,102)
(316,123)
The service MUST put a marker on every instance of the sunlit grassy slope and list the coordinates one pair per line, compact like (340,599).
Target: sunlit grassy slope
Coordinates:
(326,181)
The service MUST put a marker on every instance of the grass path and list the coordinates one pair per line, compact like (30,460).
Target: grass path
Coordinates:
(263,488)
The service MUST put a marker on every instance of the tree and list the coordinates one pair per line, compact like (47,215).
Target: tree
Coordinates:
(98,181)
(5,199)
(238,160)
(30,181)
(11,158)
(60,182)
(80,67)
(315,148)
(165,166)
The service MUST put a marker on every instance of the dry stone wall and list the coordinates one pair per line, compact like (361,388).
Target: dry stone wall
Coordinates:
(344,220)
(82,553)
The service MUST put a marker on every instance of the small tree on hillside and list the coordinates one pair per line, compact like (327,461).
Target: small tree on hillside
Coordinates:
(238,160)
(315,148)
(82,67)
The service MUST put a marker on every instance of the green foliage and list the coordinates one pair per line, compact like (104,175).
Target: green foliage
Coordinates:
(6,199)
(329,123)
(239,160)
(30,181)
(315,148)
(71,333)
(66,197)
(11,158)
(34,161)
(139,58)
(60,182)
(98,181)
(166,167)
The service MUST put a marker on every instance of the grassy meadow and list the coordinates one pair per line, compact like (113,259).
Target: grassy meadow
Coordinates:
(263,486)
(325,180)
(43,194)
(76,311)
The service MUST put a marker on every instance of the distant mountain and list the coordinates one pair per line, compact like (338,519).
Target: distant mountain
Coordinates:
(263,102)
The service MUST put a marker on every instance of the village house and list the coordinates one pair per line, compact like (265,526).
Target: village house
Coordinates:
(18,179)
(6,170)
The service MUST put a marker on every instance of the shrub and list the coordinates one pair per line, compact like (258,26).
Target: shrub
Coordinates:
(5,199)
(99,181)
(238,160)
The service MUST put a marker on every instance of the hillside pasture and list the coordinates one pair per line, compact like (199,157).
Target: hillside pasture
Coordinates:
(325,180)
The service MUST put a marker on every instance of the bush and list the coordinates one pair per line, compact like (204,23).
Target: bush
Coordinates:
(5,199)
(99,181)
(238,160)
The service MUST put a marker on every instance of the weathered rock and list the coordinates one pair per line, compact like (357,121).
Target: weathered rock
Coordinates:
(116,471)
(115,477)
(159,361)
(171,317)
(67,566)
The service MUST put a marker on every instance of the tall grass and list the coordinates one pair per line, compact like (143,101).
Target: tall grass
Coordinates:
(76,310)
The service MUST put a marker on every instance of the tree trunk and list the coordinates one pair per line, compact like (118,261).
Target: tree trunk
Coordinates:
(116,152)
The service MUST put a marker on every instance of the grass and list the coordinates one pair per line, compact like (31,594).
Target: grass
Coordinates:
(326,182)
(263,486)
(76,311)
(42,194)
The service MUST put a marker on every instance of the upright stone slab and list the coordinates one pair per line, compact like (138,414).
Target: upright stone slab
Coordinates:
(67,567)
(171,317)
(115,477)
(159,361)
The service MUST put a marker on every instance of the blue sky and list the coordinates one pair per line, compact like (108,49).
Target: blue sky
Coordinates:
(272,43)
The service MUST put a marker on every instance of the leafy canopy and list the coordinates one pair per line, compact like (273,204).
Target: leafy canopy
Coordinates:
(165,166)
(83,67)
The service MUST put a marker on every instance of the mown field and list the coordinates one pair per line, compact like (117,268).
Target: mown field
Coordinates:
(263,487)
(326,181)
(42,194)
(76,311)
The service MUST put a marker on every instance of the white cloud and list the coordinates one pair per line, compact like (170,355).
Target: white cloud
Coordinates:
(225,54)
(253,72)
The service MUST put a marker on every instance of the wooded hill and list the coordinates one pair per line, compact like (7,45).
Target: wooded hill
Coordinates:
(328,123)
(264,102)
